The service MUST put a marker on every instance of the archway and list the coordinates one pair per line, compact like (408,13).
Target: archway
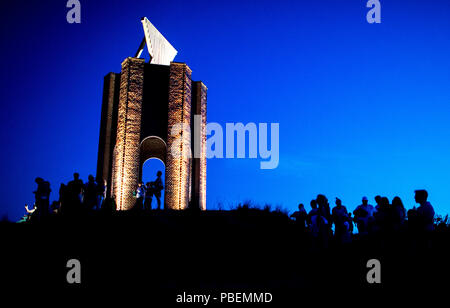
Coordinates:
(153,147)
(149,169)
(153,151)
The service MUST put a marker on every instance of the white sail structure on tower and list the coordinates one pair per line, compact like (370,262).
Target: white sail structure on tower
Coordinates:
(160,50)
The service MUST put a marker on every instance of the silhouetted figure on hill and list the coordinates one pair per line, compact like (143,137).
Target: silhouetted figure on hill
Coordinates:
(364,216)
(319,229)
(383,215)
(398,213)
(425,212)
(300,216)
(101,193)
(90,193)
(313,211)
(324,206)
(320,222)
(42,197)
(140,195)
(377,201)
(156,188)
(339,217)
(75,190)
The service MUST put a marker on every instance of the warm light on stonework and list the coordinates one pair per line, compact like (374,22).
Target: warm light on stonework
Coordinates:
(183,184)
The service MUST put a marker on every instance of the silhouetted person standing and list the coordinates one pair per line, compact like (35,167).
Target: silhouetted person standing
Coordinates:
(90,193)
(398,212)
(340,219)
(157,188)
(42,197)
(377,201)
(140,195)
(324,206)
(363,216)
(384,215)
(425,212)
(313,211)
(320,223)
(75,190)
(101,193)
(300,216)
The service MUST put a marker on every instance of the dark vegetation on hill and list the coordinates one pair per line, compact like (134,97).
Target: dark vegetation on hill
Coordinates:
(167,252)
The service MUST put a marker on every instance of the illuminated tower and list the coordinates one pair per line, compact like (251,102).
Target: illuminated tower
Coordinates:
(149,111)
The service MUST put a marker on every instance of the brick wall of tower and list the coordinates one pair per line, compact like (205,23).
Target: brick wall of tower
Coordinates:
(202,183)
(108,128)
(178,167)
(199,93)
(126,152)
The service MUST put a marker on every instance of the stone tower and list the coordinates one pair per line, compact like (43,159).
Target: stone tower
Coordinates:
(154,110)
(143,109)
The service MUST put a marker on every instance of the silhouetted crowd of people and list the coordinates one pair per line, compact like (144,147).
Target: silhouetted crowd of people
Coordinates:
(384,217)
(74,197)
(322,223)
(77,197)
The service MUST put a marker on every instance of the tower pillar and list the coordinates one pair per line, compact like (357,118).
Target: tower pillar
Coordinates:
(126,158)
(178,167)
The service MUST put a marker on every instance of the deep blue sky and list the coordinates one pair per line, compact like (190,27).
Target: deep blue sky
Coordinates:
(363,108)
